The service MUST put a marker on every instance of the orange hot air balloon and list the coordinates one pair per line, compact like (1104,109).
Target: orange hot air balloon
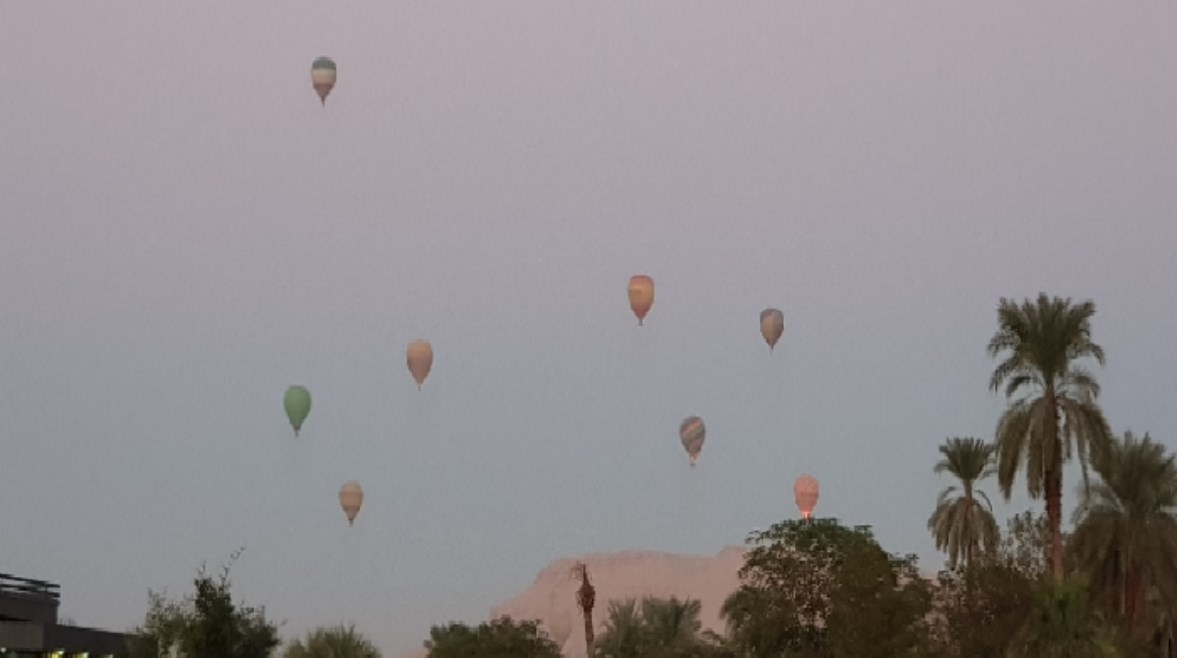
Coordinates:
(772,325)
(351,497)
(420,360)
(692,432)
(641,295)
(805,491)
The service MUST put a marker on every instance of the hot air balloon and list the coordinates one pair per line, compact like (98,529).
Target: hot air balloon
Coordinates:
(323,77)
(641,295)
(298,404)
(772,325)
(420,360)
(805,492)
(351,497)
(692,432)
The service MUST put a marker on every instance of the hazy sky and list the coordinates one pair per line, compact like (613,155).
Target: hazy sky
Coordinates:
(184,232)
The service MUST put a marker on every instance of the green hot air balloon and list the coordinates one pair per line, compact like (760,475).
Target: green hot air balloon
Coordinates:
(298,404)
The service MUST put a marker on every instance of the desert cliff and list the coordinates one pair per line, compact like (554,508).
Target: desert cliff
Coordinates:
(551,598)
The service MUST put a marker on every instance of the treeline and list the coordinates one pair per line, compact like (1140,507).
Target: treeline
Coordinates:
(819,589)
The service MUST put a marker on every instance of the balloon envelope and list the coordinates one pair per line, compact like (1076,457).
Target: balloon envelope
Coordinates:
(641,295)
(297,402)
(351,498)
(772,325)
(692,432)
(420,360)
(323,77)
(805,492)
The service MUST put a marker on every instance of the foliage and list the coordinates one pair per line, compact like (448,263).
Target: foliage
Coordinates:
(655,628)
(982,607)
(206,623)
(818,588)
(1063,623)
(500,638)
(961,526)
(1056,416)
(1126,534)
(333,642)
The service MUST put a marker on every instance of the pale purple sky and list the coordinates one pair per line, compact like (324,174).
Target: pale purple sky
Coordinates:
(186,232)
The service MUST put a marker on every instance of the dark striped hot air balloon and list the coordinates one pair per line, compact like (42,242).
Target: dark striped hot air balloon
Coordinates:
(692,433)
(323,77)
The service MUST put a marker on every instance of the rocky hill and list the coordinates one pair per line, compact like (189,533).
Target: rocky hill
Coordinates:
(551,598)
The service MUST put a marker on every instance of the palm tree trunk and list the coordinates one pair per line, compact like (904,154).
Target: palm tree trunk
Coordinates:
(586,598)
(1054,491)
(589,639)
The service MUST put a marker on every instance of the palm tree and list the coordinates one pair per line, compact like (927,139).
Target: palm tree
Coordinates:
(961,525)
(336,642)
(1126,529)
(672,623)
(622,637)
(1057,416)
(655,628)
(586,598)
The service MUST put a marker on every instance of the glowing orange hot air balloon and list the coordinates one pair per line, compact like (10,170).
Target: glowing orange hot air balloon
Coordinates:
(420,360)
(772,325)
(351,497)
(805,491)
(641,295)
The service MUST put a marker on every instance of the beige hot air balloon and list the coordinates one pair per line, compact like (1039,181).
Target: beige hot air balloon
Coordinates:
(641,295)
(772,325)
(351,498)
(805,491)
(420,360)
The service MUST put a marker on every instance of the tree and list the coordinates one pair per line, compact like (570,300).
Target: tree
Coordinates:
(206,623)
(983,604)
(1126,532)
(817,589)
(1063,623)
(658,628)
(500,638)
(1057,415)
(982,607)
(623,636)
(163,627)
(333,642)
(671,624)
(586,598)
(961,526)
(1025,546)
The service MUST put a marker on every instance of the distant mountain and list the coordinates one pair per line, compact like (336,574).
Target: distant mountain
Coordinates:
(552,597)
